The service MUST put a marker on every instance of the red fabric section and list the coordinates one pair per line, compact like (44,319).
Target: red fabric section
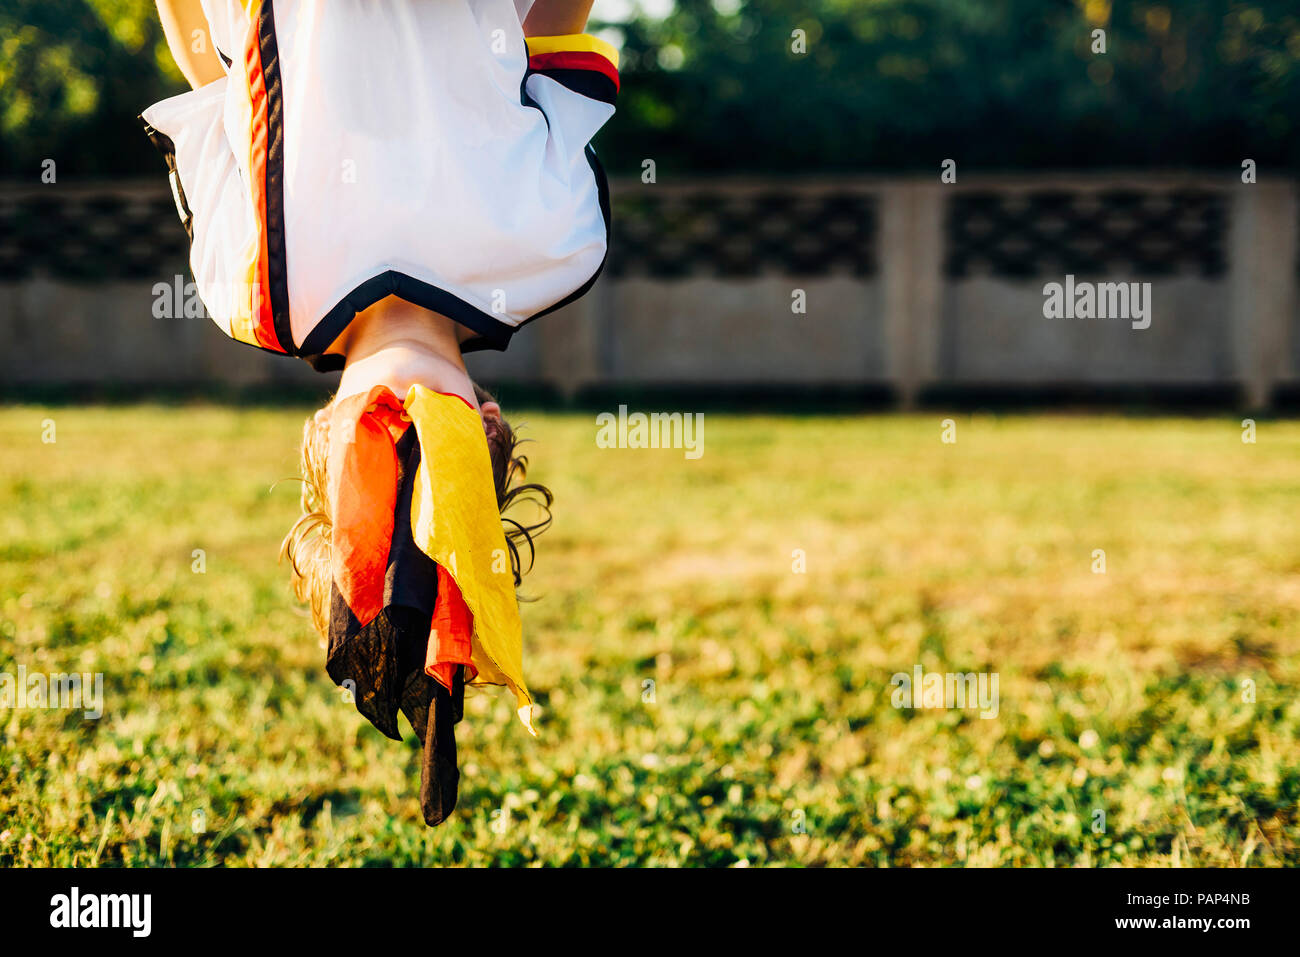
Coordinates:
(449,639)
(264,324)
(574,60)
(362,467)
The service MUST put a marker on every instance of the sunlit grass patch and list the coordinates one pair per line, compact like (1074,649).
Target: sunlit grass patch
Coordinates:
(712,650)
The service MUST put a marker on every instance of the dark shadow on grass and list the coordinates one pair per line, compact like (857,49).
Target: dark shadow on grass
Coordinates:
(1212,399)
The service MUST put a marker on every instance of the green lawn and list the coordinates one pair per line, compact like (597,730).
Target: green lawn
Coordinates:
(1160,693)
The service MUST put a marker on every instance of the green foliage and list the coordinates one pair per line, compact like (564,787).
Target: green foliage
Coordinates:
(992,83)
(891,84)
(1121,693)
(74,75)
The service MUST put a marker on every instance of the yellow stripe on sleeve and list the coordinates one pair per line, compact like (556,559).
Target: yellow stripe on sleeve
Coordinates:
(573,43)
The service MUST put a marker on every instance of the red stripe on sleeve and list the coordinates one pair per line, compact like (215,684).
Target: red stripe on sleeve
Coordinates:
(574,60)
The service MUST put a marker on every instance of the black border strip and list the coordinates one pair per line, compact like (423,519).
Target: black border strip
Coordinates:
(593,84)
(493,333)
(167,147)
(1092,900)
(277,260)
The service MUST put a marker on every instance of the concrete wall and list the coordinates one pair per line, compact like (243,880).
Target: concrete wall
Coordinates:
(909,324)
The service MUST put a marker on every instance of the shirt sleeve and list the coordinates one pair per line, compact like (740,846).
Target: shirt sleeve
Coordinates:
(579,61)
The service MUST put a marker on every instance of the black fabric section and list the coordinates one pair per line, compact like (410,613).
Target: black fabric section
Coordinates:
(327,362)
(526,98)
(277,261)
(590,83)
(382,663)
(364,661)
(439,774)
(492,332)
(412,576)
(224,59)
(163,143)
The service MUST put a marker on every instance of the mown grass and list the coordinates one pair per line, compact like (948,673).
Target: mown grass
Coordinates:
(1127,693)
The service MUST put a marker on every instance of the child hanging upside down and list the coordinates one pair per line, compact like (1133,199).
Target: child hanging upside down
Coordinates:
(380,187)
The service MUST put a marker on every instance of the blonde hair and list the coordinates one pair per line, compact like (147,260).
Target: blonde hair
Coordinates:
(309,543)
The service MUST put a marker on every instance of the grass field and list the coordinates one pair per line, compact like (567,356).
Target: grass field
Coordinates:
(1147,715)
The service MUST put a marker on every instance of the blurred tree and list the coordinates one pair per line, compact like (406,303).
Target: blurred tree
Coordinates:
(720,85)
(74,74)
(902,84)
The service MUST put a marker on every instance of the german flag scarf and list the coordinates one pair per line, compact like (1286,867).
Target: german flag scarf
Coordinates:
(423,598)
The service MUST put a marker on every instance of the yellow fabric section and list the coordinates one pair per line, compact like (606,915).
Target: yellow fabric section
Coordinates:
(455,521)
(583,42)
(241,319)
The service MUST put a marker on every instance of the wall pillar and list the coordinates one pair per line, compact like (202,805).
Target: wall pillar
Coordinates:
(1262,261)
(910,244)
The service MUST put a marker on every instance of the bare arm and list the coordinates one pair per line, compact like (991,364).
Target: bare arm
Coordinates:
(180,20)
(554,18)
